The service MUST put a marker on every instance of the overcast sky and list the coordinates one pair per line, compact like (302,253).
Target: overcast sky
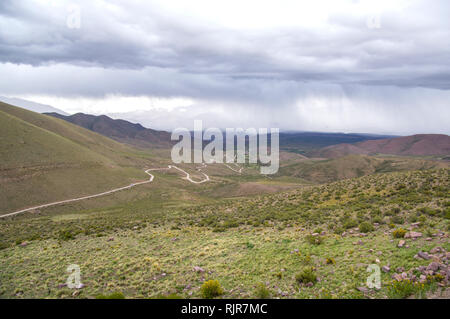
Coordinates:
(349,66)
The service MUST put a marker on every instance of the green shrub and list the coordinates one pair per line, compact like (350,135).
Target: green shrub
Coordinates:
(365,227)
(307,275)
(262,292)
(378,219)
(66,235)
(399,233)
(114,295)
(211,289)
(330,261)
(397,220)
(350,223)
(314,240)
(404,288)
(249,245)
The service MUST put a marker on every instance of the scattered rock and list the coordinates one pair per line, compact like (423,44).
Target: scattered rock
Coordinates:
(75,293)
(386,268)
(397,277)
(428,239)
(423,255)
(24,244)
(401,243)
(363,289)
(62,286)
(315,234)
(400,269)
(436,250)
(413,235)
(198,269)
(434,266)
(110,238)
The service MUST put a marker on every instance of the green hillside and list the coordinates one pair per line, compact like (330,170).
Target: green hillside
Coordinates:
(329,233)
(324,171)
(44,159)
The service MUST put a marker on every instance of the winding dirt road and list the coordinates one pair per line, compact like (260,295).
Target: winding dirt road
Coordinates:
(188,177)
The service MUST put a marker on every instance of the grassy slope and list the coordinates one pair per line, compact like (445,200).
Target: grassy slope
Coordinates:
(325,171)
(45,159)
(239,242)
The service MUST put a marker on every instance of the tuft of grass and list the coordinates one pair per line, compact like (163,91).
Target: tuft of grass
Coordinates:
(314,240)
(114,295)
(365,227)
(405,288)
(399,233)
(211,289)
(307,275)
(262,292)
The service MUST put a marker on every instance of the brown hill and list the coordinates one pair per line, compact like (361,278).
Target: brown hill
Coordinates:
(119,130)
(415,145)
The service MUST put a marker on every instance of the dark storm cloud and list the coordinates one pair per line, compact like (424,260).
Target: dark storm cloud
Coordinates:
(293,74)
(407,49)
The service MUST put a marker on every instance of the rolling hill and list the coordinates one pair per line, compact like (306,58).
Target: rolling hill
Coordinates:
(119,130)
(354,165)
(305,142)
(45,159)
(415,145)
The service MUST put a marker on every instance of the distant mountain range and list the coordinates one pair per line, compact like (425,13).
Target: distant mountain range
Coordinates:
(119,130)
(311,144)
(415,145)
(31,106)
(305,142)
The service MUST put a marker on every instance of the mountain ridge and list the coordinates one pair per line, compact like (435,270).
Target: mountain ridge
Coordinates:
(120,130)
(413,145)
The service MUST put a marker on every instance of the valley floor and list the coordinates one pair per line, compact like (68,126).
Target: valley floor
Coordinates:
(334,231)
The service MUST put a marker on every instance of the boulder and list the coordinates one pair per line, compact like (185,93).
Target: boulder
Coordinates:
(437,249)
(397,277)
(423,255)
(434,266)
(198,269)
(413,235)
